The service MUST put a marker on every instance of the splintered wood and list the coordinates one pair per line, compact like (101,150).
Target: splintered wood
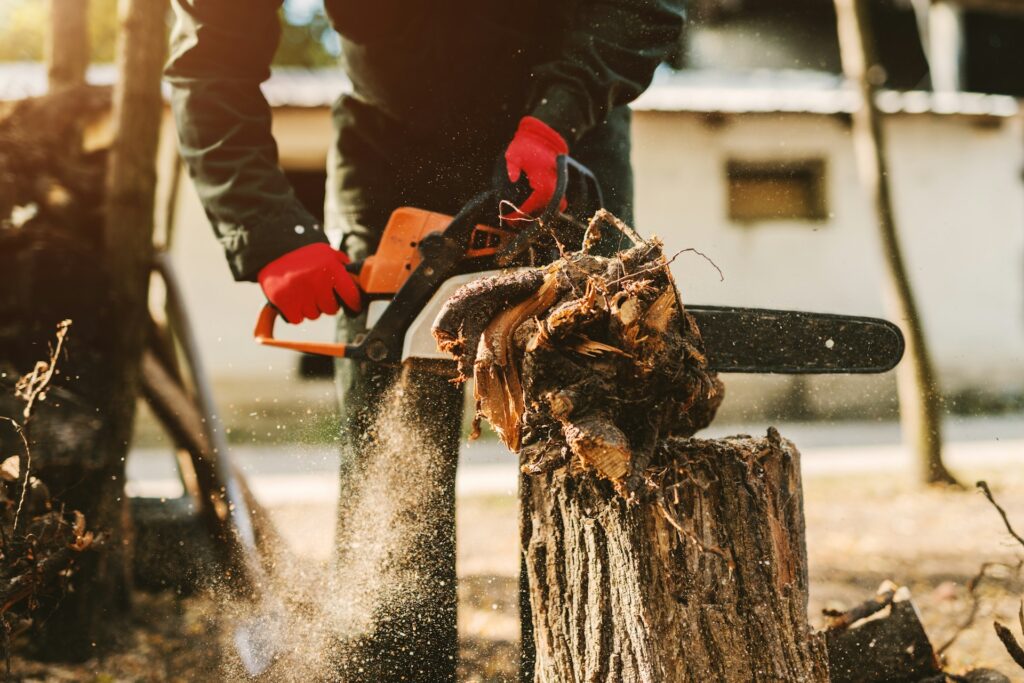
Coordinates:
(651,555)
(588,362)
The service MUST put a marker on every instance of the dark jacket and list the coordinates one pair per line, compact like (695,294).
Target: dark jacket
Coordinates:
(456,68)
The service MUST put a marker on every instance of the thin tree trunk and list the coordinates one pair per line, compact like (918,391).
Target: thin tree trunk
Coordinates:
(707,584)
(130,198)
(67,45)
(920,399)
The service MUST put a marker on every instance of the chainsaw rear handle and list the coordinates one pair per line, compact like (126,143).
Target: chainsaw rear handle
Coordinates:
(376,345)
(264,332)
(573,180)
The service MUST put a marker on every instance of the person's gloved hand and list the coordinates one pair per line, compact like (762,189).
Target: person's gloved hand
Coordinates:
(309,281)
(533,151)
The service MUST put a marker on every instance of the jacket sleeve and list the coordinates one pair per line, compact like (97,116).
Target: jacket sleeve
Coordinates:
(607,59)
(220,53)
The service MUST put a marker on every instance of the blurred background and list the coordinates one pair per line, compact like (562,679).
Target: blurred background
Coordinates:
(742,150)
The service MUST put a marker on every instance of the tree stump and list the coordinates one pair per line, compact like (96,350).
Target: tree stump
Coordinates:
(651,555)
(707,584)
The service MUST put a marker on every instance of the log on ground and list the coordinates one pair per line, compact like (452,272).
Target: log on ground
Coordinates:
(651,555)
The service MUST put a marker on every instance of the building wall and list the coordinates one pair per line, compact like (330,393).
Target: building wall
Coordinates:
(960,208)
(959,201)
(960,204)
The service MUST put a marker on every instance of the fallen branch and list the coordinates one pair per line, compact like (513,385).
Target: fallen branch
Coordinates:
(881,640)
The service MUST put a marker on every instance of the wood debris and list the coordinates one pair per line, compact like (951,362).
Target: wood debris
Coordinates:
(587,362)
(40,541)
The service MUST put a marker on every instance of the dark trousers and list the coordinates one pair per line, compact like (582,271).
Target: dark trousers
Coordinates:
(378,165)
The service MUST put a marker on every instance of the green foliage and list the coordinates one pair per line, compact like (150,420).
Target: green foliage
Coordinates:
(22,27)
(308,44)
(305,41)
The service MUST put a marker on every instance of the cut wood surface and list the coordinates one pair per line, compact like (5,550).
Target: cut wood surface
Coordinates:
(651,555)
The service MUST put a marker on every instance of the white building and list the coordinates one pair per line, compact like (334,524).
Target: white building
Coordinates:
(756,171)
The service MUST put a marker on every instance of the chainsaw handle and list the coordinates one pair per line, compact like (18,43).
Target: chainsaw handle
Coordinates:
(586,190)
(264,332)
(587,200)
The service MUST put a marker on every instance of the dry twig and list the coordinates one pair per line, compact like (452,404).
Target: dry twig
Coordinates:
(1002,513)
(839,620)
(972,588)
(30,388)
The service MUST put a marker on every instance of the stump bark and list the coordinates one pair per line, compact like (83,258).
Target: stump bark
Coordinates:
(708,584)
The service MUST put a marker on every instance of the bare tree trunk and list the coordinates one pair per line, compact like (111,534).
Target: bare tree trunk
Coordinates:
(920,399)
(707,584)
(67,45)
(130,197)
(87,616)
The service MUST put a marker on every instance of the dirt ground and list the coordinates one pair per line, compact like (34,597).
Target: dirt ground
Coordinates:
(861,530)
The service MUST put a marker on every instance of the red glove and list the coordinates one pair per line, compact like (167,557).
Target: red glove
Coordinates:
(533,151)
(309,281)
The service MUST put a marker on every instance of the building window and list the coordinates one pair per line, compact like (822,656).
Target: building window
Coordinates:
(776,190)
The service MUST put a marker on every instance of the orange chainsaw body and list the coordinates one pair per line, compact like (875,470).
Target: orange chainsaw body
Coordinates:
(382,274)
(398,253)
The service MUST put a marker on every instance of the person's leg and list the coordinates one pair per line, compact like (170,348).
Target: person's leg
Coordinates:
(399,441)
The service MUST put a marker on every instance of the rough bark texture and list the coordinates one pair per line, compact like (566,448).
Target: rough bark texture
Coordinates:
(651,556)
(709,584)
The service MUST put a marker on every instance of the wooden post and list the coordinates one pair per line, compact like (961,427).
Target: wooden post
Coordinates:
(920,397)
(67,44)
(710,585)
(945,45)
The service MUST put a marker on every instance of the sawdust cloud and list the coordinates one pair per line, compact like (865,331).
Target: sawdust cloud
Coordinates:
(313,614)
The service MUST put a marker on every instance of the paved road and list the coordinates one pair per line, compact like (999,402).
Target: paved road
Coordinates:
(294,473)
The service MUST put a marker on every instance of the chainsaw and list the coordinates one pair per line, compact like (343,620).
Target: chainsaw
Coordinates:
(424,257)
